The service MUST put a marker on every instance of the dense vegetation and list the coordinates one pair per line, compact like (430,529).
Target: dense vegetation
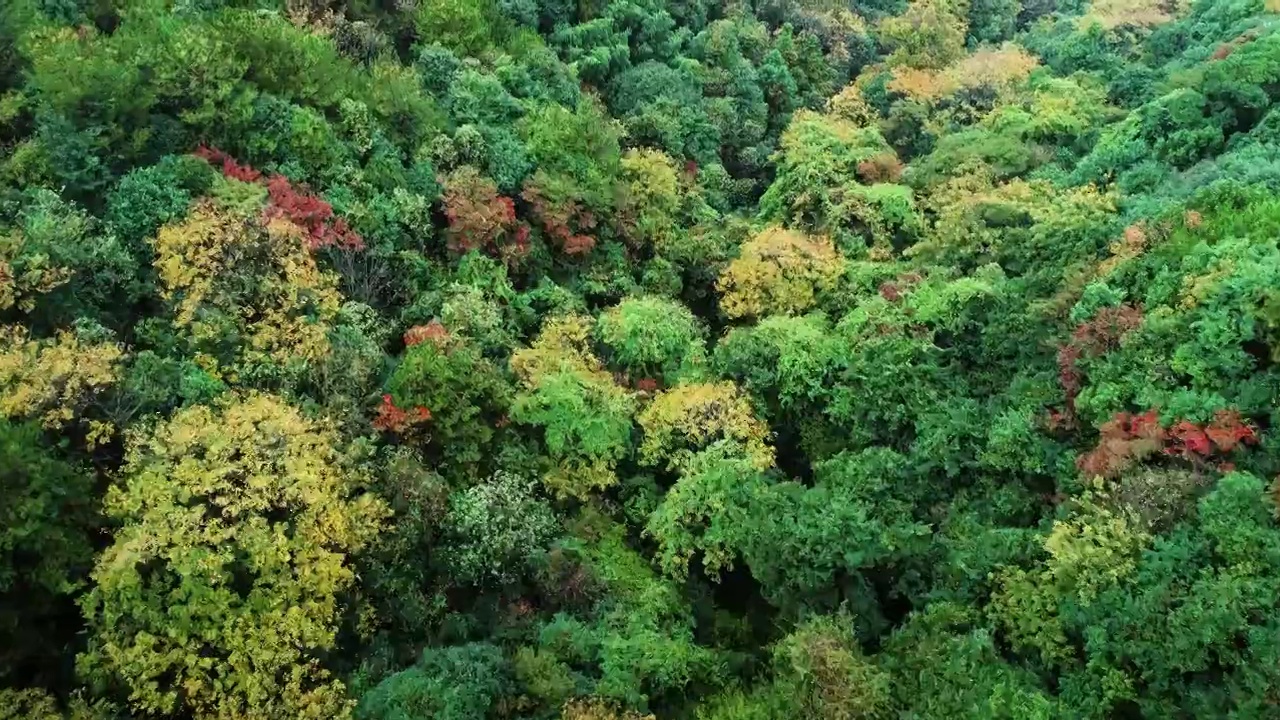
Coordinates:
(624,359)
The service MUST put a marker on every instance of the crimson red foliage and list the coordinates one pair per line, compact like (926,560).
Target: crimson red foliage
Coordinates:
(1128,439)
(310,213)
(1227,430)
(393,419)
(315,216)
(482,219)
(566,221)
(230,167)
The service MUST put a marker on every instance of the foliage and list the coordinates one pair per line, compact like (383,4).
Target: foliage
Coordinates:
(928,34)
(220,591)
(688,418)
(778,272)
(213,265)
(636,359)
(47,519)
(53,379)
(650,337)
(498,526)
(463,393)
(451,683)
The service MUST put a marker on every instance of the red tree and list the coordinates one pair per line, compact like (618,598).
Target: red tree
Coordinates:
(284,200)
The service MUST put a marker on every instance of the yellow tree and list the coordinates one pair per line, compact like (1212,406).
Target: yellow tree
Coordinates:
(1113,14)
(650,199)
(779,272)
(221,588)
(686,419)
(228,276)
(929,34)
(52,379)
(850,105)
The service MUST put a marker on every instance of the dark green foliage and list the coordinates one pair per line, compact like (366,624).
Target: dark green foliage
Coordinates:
(47,517)
(451,683)
(464,393)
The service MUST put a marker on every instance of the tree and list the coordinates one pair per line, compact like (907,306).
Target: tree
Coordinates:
(585,418)
(47,517)
(479,218)
(707,512)
(928,35)
(653,338)
(778,272)
(218,270)
(464,394)
(220,592)
(55,379)
(597,710)
(836,177)
(452,683)
(680,422)
(821,666)
(496,529)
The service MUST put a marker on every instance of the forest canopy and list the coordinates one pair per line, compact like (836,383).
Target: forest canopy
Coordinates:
(639,360)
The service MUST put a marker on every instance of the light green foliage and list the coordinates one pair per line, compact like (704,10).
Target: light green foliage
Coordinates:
(707,512)
(586,426)
(221,588)
(584,416)
(650,337)
(825,182)
(577,150)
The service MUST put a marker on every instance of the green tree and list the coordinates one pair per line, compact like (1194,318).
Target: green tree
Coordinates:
(464,393)
(651,337)
(452,683)
(47,518)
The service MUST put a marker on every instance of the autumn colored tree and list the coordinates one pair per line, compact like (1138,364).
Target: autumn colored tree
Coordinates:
(779,272)
(929,34)
(478,216)
(214,264)
(689,418)
(220,592)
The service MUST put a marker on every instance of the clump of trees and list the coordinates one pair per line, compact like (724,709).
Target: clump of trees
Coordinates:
(624,360)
